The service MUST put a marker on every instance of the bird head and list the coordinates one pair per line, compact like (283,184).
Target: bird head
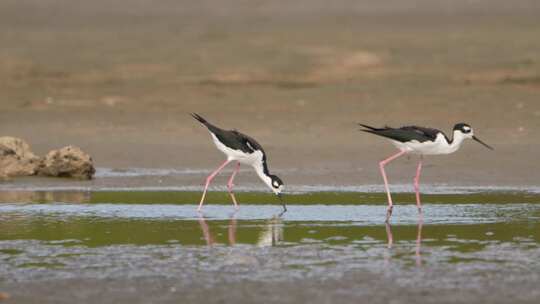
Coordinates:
(466,131)
(276,184)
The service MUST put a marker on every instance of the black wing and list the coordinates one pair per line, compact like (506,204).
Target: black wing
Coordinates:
(404,134)
(232,138)
(422,131)
(235,140)
(249,144)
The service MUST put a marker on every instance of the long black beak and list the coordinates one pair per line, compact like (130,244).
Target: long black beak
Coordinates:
(282,203)
(483,143)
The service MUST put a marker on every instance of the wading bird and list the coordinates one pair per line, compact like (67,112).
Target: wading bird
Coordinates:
(242,149)
(422,141)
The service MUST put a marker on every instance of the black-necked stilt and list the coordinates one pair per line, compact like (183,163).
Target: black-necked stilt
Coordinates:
(242,149)
(422,141)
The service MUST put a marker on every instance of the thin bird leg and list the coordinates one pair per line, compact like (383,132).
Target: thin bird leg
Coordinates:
(418,252)
(389,236)
(381,166)
(208,180)
(230,185)
(417,185)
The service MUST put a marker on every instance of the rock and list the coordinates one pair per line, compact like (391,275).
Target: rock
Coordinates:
(69,161)
(16,158)
(4,296)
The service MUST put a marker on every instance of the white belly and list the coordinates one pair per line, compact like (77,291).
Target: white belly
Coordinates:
(439,146)
(245,158)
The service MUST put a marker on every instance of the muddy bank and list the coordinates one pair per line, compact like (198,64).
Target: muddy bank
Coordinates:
(476,250)
(374,288)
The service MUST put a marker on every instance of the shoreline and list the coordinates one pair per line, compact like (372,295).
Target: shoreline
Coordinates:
(247,198)
(297,189)
(190,180)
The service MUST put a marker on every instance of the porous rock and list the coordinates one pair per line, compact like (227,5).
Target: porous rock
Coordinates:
(69,161)
(16,158)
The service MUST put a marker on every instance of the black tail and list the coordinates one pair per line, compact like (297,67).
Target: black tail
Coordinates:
(199,118)
(210,126)
(368,128)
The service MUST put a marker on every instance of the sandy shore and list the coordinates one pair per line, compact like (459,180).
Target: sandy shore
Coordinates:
(296,79)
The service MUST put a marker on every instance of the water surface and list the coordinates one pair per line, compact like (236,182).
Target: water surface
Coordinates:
(461,240)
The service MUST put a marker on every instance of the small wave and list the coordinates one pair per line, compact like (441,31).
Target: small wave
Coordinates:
(135,172)
(293,189)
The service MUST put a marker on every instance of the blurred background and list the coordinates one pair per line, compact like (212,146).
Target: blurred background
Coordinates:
(119,77)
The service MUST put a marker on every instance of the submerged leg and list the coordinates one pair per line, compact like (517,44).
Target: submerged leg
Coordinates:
(389,236)
(381,166)
(208,180)
(417,185)
(230,184)
(418,252)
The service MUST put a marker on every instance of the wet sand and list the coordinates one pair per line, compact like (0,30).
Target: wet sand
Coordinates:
(353,287)
(140,253)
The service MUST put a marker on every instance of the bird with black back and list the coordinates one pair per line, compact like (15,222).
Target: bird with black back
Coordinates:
(421,141)
(241,149)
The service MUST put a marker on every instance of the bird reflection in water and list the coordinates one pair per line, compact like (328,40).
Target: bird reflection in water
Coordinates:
(209,238)
(418,247)
(271,234)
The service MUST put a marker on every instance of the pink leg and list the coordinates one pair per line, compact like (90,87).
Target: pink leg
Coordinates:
(208,180)
(389,236)
(230,185)
(390,242)
(381,166)
(417,185)
(419,241)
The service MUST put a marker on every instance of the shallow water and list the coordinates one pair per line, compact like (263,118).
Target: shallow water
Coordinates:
(470,238)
